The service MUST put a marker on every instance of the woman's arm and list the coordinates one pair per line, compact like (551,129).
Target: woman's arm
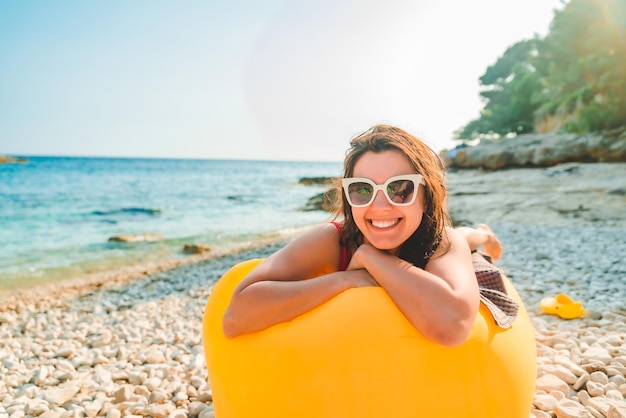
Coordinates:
(294,280)
(441,301)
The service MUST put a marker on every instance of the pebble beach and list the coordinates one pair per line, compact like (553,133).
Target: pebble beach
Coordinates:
(129,344)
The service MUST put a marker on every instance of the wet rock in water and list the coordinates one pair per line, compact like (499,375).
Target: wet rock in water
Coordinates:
(323,201)
(196,249)
(310,181)
(137,238)
(4,159)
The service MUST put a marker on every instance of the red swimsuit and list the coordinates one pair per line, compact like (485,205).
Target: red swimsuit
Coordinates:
(345,256)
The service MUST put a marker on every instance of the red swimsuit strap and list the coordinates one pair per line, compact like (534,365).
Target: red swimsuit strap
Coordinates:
(344,256)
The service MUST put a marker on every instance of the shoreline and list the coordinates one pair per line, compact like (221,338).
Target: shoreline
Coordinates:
(76,286)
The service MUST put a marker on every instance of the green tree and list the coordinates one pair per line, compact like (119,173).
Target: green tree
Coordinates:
(577,70)
(510,90)
(584,59)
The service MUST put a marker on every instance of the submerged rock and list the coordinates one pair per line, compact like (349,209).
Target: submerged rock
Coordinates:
(310,181)
(196,249)
(322,201)
(4,159)
(137,238)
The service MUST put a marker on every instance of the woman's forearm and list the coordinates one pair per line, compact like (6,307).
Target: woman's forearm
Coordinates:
(442,311)
(266,303)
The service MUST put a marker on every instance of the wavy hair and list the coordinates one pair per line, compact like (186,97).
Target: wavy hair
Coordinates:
(421,245)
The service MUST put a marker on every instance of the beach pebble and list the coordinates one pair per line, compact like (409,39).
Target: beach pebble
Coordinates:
(550,382)
(581,381)
(155,357)
(545,402)
(160,410)
(564,374)
(59,396)
(595,389)
(568,408)
(114,413)
(196,408)
(124,393)
(597,354)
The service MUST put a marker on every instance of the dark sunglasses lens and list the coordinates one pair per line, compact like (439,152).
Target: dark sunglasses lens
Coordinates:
(360,193)
(401,191)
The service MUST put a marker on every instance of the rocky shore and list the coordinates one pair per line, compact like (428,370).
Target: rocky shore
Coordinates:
(540,150)
(132,346)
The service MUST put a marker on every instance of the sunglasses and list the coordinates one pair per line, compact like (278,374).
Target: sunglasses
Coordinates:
(399,190)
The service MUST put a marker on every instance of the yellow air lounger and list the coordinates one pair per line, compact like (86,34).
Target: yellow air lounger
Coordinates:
(358,356)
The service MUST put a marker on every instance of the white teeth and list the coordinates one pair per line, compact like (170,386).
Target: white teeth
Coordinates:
(384,224)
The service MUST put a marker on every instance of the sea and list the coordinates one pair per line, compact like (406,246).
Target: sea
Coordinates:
(57,214)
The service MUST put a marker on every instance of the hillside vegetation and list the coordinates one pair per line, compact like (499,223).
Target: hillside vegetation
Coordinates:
(573,80)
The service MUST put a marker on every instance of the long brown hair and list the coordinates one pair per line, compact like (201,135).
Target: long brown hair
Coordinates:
(421,245)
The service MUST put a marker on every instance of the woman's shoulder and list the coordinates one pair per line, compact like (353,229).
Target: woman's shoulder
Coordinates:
(451,240)
(318,237)
(318,245)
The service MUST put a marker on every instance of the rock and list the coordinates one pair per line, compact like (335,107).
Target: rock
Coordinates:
(324,181)
(123,394)
(155,357)
(4,159)
(59,395)
(571,409)
(605,405)
(536,413)
(545,402)
(595,389)
(152,383)
(196,408)
(114,413)
(51,414)
(323,201)
(102,339)
(598,354)
(158,396)
(205,396)
(179,397)
(196,249)
(538,196)
(617,411)
(137,238)
(550,382)
(36,407)
(565,375)
(66,352)
(92,408)
(533,150)
(599,377)
(581,382)
(40,375)
(207,413)
(160,410)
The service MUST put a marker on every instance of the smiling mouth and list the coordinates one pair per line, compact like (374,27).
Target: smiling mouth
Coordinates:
(385,223)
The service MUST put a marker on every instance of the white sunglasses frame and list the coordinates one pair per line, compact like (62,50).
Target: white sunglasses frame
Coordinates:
(415,178)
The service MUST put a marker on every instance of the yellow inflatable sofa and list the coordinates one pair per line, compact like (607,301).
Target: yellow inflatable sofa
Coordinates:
(358,356)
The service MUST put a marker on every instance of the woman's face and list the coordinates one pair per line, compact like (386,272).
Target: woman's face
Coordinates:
(386,226)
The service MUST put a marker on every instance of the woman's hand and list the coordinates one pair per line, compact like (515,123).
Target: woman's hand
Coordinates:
(357,262)
(360,277)
(441,300)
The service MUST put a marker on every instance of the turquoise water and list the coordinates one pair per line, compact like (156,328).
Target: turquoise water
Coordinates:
(57,214)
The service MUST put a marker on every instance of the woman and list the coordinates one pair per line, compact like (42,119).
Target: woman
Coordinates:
(395,234)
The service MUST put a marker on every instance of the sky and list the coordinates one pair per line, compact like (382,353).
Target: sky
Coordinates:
(244,79)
